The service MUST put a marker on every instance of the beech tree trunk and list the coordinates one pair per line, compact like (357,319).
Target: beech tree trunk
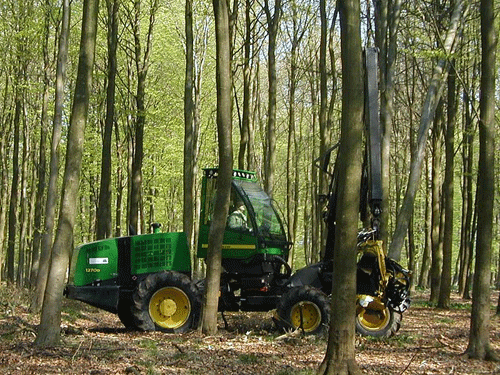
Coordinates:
(339,358)
(436,194)
(14,193)
(479,338)
(387,25)
(222,198)
(50,321)
(41,169)
(426,253)
(142,66)
(103,224)
(433,95)
(270,152)
(467,199)
(445,289)
(52,194)
(190,139)
(243,153)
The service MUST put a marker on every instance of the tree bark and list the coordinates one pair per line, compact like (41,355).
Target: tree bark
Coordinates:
(142,66)
(423,281)
(41,169)
(224,110)
(270,154)
(247,71)
(51,201)
(445,290)
(190,148)
(436,194)
(50,321)
(339,357)
(387,25)
(479,340)
(14,193)
(103,224)
(432,98)
(467,199)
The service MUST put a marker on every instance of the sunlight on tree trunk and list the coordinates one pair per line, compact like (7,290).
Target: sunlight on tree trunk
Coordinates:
(50,321)
(339,357)
(479,340)
(218,225)
(431,101)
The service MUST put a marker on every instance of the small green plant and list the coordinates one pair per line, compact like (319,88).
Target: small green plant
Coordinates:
(446,320)
(370,339)
(248,359)
(460,306)
(403,339)
(150,345)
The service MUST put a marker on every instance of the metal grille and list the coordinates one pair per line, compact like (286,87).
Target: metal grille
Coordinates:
(152,253)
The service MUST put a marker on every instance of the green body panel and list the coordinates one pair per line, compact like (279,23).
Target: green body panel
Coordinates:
(235,245)
(99,261)
(159,252)
(94,261)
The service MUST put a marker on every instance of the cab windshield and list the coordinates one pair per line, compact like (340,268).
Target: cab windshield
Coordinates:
(267,221)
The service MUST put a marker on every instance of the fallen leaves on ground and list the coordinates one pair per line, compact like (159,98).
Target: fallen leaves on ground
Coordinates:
(431,341)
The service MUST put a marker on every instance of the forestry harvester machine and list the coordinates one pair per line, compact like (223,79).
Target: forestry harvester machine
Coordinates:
(146,279)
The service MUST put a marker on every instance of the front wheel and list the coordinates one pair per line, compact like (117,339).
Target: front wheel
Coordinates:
(166,301)
(306,308)
(377,322)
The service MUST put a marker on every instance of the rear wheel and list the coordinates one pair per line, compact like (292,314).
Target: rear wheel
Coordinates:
(384,322)
(305,308)
(166,301)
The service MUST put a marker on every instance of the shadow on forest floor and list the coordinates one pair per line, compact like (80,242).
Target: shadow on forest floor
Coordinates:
(431,341)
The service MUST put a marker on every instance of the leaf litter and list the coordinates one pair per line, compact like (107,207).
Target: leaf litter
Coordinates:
(430,341)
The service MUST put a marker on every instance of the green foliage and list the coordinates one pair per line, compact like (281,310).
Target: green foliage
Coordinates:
(22,40)
(248,358)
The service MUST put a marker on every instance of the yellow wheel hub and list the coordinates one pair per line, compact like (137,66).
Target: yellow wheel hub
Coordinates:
(373,319)
(305,315)
(169,308)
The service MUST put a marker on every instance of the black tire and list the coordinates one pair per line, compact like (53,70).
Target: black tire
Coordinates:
(304,307)
(124,312)
(376,322)
(166,301)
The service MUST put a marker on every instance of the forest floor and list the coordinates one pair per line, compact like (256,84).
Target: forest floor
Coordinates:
(431,341)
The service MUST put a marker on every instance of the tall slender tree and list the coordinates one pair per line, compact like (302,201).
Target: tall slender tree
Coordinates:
(42,159)
(434,91)
(224,110)
(50,321)
(103,225)
(51,200)
(339,358)
(386,32)
(273,19)
(142,66)
(190,132)
(479,340)
(445,287)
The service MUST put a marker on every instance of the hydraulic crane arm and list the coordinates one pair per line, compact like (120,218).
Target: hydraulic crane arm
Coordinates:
(371,189)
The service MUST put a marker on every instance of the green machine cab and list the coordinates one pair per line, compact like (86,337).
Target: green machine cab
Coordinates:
(255,247)
(261,229)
